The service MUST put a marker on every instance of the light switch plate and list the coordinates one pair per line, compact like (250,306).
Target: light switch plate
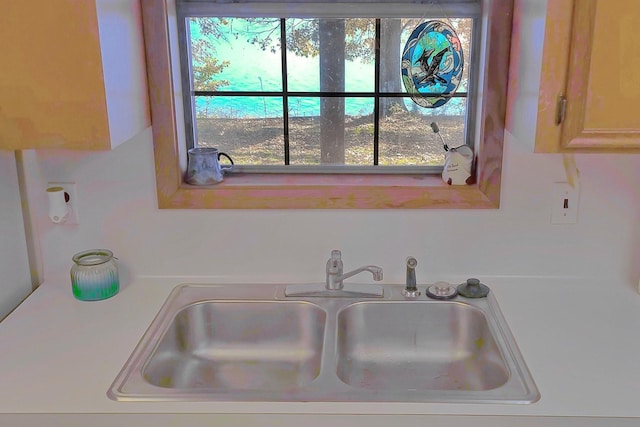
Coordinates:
(70,189)
(564,203)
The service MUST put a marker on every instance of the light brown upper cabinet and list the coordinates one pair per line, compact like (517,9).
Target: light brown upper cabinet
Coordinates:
(73,74)
(590,78)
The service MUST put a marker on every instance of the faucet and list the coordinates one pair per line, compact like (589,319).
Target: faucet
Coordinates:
(334,286)
(411,290)
(335,277)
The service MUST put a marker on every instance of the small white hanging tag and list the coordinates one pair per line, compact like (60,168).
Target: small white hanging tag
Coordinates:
(457,166)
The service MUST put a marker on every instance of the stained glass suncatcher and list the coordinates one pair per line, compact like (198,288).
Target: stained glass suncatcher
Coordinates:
(432,64)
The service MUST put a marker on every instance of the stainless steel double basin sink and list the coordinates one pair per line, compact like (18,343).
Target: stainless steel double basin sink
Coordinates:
(253,343)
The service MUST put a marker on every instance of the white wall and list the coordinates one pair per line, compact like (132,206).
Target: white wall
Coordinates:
(118,210)
(15,277)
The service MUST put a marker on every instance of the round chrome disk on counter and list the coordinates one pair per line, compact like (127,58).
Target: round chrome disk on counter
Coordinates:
(441,290)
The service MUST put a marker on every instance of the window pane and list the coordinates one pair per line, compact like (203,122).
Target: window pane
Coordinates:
(344,46)
(454,107)
(249,129)
(464,28)
(303,73)
(341,134)
(238,106)
(304,107)
(392,40)
(235,54)
(406,137)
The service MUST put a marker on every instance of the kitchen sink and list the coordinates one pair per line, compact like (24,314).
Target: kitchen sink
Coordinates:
(255,343)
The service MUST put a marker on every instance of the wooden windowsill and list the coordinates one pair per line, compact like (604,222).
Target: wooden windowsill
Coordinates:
(284,191)
(309,191)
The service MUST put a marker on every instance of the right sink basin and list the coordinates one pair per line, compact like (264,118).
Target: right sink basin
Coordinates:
(395,346)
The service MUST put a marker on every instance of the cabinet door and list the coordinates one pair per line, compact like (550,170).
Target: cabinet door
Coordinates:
(72,74)
(51,79)
(592,66)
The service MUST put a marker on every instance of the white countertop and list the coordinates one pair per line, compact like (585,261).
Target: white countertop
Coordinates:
(579,338)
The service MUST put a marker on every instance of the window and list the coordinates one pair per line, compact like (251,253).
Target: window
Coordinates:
(319,89)
(361,190)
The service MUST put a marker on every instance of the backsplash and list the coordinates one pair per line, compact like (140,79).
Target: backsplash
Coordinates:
(118,211)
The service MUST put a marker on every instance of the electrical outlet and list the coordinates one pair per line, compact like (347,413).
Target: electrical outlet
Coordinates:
(70,189)
(564,204)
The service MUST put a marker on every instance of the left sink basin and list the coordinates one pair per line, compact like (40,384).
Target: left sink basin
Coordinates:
(239,345)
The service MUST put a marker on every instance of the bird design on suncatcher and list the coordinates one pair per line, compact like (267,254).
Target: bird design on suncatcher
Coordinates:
(430,70)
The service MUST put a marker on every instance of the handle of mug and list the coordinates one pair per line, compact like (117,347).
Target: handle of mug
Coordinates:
(226,168)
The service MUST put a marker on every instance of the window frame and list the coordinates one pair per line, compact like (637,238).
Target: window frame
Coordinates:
(321,191)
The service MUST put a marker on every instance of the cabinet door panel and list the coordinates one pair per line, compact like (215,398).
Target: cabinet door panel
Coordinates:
(597,70)
(603,89)
(51,87)
(73,74)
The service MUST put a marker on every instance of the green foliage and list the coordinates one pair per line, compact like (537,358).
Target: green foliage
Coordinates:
(361,38)
(211,26)
(365,129)
(302,38)
(206,66)
(302,35)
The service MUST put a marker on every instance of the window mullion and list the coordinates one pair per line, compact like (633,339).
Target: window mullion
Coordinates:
(285,90)
(376,103)
(291,94)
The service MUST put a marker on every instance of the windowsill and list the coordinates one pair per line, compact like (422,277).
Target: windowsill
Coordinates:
(309,191)
(305,191)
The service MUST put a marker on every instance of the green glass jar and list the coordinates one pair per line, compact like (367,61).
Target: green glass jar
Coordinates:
(94,275)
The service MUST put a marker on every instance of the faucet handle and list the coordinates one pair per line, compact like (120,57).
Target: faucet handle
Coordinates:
(334,265)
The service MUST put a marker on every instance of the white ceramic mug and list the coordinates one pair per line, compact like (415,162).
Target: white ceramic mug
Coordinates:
(204,168)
